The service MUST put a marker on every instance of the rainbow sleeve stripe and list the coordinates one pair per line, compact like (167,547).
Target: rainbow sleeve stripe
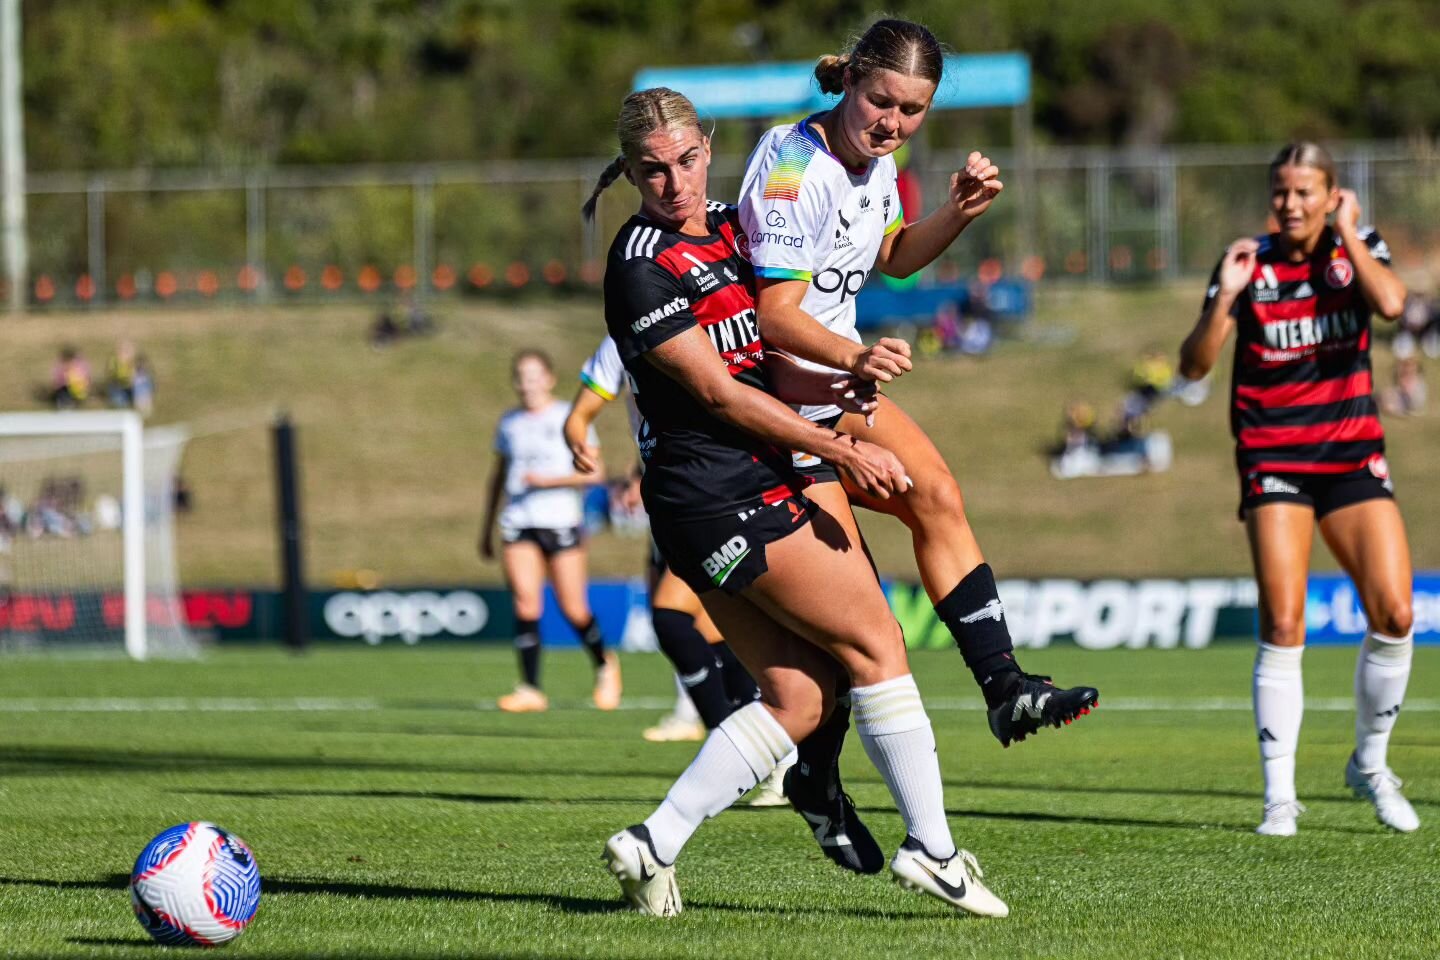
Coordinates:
(781,273)
(601,391)
(898,220)
(789,169)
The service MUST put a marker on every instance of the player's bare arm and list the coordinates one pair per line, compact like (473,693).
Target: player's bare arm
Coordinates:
(1383,290)
(494,490)
(915,246)
(690,359)
(789,328)
(583,411)
(1202,347)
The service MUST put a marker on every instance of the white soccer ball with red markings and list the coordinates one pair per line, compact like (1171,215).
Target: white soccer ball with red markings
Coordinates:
(195,885)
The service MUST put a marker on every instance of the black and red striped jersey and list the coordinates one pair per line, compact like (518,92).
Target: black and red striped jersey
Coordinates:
(658,284)
(1301,393)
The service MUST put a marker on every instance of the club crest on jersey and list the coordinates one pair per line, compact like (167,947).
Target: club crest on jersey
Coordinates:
(1339,273)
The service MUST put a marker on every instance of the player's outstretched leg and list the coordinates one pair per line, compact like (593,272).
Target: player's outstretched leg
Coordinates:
(961,584)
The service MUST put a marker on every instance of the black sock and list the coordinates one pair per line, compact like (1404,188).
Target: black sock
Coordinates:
(740,687)
(695,664)
(818,755)
(592,640)
(976,620)
(527,645)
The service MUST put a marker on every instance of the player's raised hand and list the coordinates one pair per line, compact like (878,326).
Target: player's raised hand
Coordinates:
(884,360)
(1347,212)
(973,189)
(1238,265)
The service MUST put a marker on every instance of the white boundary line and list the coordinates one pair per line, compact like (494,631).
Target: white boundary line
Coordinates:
(371,705)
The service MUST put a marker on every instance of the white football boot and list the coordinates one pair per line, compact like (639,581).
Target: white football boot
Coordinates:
(648,884)
(1382,788)
(770,792)
(956,881)
(1279,819)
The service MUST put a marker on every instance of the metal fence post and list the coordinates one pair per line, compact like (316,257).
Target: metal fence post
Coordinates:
(255,234)
(95,237)
(1097,190)
(422,193)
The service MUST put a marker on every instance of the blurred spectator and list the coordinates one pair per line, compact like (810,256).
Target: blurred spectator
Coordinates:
(1408,394)
(1079,425)
(184,497)
(412,320)
(69,379)
(128,380)
(1418,327)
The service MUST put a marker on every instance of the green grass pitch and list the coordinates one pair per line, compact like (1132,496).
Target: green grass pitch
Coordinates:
(395,814)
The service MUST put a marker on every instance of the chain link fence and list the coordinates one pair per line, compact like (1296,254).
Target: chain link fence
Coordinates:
(311,233)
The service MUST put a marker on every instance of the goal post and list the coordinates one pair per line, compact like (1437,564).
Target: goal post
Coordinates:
(86,518)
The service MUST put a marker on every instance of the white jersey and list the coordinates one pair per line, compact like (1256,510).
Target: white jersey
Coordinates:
(809,218)
(604,373)
(533,441)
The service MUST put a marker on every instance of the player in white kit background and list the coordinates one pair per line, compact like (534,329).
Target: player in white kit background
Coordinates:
(541,530)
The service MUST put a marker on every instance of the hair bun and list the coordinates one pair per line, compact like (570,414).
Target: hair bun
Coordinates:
(830,72)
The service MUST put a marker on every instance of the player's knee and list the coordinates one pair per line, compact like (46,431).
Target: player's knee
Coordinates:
(799,716)
(936,501)
(1284,629)
(1394,618)
(873,654)
(528,608)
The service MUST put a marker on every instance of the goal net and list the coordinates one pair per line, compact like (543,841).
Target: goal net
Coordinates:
(87,539)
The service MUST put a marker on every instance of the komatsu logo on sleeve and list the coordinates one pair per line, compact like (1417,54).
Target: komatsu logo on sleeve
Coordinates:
(720,564)
(660,313)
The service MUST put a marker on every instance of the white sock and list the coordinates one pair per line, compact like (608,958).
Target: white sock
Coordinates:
(1279,706)
(1381,674)
(735,756)
(684,706)
(898,739)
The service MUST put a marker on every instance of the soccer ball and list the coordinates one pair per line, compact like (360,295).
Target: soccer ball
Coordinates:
(195,885)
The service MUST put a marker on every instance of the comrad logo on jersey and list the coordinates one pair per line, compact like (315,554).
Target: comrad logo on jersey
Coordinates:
(778,222)
(720,564)
(660,313)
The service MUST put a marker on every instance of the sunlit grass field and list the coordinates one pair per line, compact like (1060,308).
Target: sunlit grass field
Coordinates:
(394,813)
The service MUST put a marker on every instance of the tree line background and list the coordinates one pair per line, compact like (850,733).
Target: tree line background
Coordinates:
(154,83)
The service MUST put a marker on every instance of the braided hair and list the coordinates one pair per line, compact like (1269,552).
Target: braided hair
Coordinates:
(642,113)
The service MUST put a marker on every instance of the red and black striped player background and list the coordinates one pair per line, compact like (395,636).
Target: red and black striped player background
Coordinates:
(1302,410)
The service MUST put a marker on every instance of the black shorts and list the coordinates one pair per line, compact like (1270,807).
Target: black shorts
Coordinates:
(1323,492)
(549,541)
(809,465)
(655,560)
(728,553)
